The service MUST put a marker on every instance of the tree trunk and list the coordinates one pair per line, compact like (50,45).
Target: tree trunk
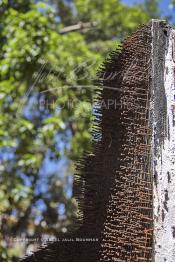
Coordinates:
(126,187)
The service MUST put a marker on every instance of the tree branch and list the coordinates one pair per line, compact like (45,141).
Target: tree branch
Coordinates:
(77,27)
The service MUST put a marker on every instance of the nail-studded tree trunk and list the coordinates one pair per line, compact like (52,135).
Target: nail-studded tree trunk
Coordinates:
(125,187)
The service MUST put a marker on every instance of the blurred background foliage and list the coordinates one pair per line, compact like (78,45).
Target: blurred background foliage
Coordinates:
(46,91)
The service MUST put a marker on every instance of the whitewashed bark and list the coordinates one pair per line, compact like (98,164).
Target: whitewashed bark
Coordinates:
(164,159)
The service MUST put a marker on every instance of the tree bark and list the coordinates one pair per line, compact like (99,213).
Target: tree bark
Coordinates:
(163,115)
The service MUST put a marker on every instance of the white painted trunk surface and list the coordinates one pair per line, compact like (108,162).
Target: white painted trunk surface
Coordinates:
(164,169)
